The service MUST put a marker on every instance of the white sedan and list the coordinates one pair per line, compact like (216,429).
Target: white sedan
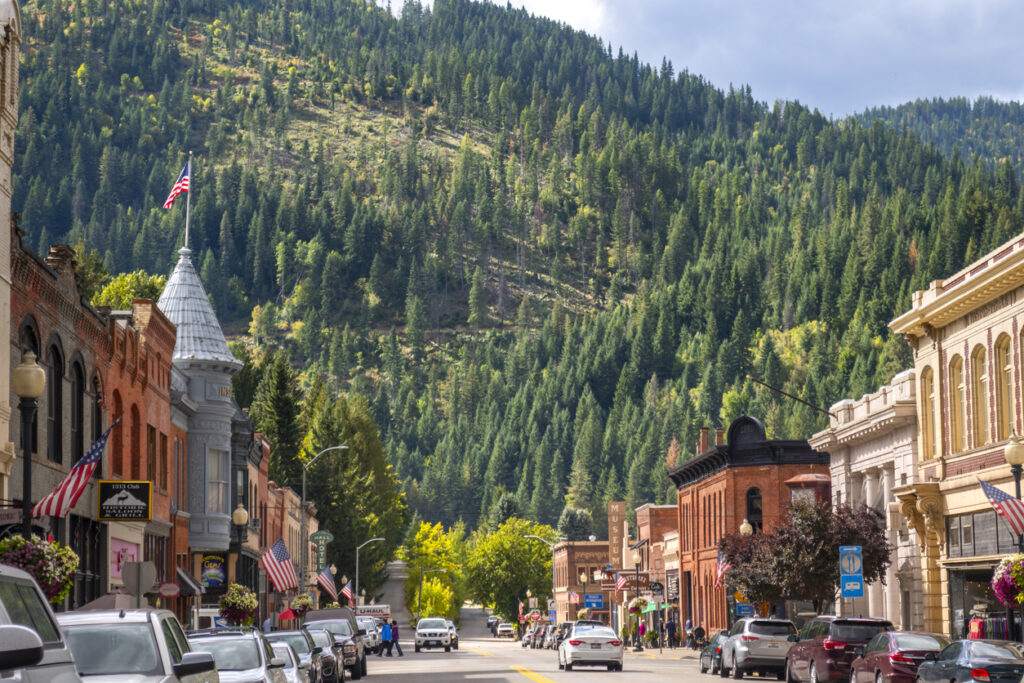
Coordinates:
(587,645)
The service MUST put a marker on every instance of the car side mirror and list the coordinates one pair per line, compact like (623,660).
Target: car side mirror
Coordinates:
(317,650)
(277,663)
(19,646)
(793,638)
(858,651)
(361,631)
(930,657)
(305,665)
(194,663)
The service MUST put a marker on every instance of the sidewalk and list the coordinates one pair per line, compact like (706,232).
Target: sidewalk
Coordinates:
(665,653)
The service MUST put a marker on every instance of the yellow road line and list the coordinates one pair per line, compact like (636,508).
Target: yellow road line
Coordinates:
(531,675)
(479,652)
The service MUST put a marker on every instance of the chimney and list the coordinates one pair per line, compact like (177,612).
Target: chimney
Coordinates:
(719,437)
(705,434)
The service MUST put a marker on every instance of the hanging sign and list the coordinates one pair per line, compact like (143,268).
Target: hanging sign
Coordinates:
(125,501)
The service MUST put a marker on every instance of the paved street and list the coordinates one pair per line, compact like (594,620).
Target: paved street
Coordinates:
(483,658)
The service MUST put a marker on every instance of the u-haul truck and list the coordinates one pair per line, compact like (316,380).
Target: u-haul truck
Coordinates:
(379,611)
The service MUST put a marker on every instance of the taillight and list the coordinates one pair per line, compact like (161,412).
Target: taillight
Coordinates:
(900,657)
(575,643)
(980,674)
(719,650)
(748,639)
(615,643)
(834,644)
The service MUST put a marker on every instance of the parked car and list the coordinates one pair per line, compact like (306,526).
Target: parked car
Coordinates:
(492,621)
(528,636)
(974,660)
(373,629)
(143,645)
(893,656)
(711,655)
(538,639)
(453,634)
(588,645)
(824,648)
(549,637)
(505,630)
(322,665)
(563,630)
(341,622)
(294,670)
(337,657)
(241,654)
(756,644)
(433,632)
(32,646)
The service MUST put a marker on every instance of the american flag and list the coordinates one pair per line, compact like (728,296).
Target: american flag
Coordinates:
(373,601)
(181,185)
(1011,509)
(278,564)
(326,581)
(64,497)
(347,592)
(574,598)
(620,581)
(723,567)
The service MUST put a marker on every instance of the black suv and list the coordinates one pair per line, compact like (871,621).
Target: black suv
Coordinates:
(341,623)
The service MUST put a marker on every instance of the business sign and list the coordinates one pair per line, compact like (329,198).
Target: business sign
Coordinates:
(169,589)
(744,609)
(213,575)
(616,530)
(380,611)
(121,553)
(125,501)
(657,587)
(321,539)
(851,571)
(593,600)
(631,581)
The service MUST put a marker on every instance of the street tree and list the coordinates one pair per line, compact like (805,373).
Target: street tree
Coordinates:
(504,564)
(432,548)
(575,524)
(138,284)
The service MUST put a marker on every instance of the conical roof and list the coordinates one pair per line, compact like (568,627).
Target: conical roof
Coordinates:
(184,302)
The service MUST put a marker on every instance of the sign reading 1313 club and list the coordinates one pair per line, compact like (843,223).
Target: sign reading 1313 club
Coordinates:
(122,501)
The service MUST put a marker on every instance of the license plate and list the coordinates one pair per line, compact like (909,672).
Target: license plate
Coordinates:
(595,646)
(773,646)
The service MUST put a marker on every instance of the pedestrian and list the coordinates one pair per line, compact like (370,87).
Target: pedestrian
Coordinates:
(641,631)
(670,629)
(385,639)
(268,624)
(394,636)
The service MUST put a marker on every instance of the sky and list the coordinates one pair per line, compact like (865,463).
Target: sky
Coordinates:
(838,57)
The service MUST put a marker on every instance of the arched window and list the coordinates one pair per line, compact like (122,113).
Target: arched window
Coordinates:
(77,377)
(1004,388)
(927,413)
(118,435)
(979,396)
(754,508)
(55,404)
(135,448)
(97,408)
(957,404)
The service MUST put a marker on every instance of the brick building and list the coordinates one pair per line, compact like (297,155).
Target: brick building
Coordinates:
(741,476)
(573,560)
(658,525)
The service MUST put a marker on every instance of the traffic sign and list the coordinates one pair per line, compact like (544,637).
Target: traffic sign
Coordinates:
(744,609)
(593,600)
(851,571)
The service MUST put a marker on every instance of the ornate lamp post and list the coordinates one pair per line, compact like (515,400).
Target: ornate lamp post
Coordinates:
(746,528)
(1014,455)
(302,516)
(28,382)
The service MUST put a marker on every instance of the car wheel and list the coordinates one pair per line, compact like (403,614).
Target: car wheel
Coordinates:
(878,677)
(737,672)
(814,673)
(417,648)
(447,648)
(722,670)
(362,667)
(356,672)
(568,666)
(703,669)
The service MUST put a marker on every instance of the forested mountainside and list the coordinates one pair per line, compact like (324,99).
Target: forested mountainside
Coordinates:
(985,128)
(543,264)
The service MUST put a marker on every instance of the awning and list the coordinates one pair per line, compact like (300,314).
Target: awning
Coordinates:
(189,585)
(654,607)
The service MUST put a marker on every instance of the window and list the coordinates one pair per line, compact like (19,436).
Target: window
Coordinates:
(217,498)
(135,448)
(77,412)
(1004,388)
(97,409)
(754,508)
(957,404)
(163,461)
(25,607)
(927,413)
(118,435)
(151,453)
(55,404)
(173,647)
(979,396)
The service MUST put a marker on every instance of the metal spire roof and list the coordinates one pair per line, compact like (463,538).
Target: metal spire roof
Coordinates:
(185,304)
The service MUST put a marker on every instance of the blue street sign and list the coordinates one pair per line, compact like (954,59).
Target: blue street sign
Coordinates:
(553,617)
(593,600)
(851,571)
(744,609)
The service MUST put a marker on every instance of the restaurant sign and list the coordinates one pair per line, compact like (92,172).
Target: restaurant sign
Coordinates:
(125,501)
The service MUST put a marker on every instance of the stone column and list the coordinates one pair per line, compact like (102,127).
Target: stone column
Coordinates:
(892,586)
(874,600)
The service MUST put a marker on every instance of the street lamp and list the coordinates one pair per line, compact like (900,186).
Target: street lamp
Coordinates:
(419,597)
(746,528)
(239,520)
(302,514)
(1014,455)
(551,547)
(358,548)
(28,382)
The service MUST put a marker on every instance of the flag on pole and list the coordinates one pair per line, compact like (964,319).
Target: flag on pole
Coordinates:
(326,581)
(60,501)
(620,582)
(574,598)
(722,568)
(347,592)
(373,601)
(180,185)
(520,610)
(1008,507)
(278,565)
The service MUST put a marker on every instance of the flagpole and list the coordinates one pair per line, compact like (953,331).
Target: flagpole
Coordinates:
(188,197)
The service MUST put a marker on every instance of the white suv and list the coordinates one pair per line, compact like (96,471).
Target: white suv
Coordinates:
(32,647)
(433,632)
(756,644)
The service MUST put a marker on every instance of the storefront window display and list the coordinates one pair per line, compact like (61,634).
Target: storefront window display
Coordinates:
(974,610)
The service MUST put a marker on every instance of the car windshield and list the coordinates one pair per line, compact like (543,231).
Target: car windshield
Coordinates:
(431,623)
(366,622)
(111,649)
(339,627)
(772,628)
(321,638)
(296,640)
(997,651)
(284,652)
(230,654)
(918,641)
(858,630)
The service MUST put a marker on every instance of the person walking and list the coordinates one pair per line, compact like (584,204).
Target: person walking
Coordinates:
(670,629)
(385,639)
(394,636)
(268,624)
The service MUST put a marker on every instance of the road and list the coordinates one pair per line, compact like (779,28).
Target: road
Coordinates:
(481,658)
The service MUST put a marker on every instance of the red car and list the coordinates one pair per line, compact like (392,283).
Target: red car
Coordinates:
(893,656)
(823,650)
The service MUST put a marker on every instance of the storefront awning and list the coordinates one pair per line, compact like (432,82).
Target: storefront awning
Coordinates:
(655,607)
(188,583)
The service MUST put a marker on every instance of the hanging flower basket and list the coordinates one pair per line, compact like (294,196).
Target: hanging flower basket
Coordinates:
(51,564)
(238,606)
(637,605)
(1008,581)
(331,605)
(583,613)
(301,604)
